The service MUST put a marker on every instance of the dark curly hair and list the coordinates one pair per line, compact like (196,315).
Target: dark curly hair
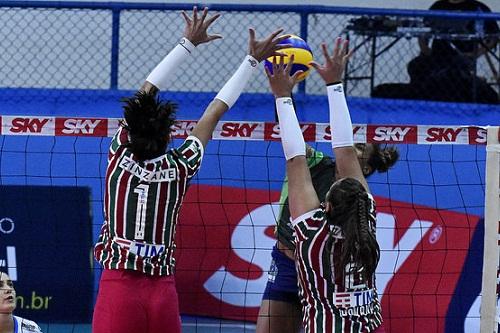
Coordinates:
(148,121)
(380,159)
(351,212)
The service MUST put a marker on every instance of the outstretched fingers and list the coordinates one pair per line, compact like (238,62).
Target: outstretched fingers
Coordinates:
(273,35)
(212,20)
(251,33)
(275,66)
(195,15)
(326,55)
(268,72)
(281,38)
(282,63)
(187,19)
(347,52)
(204,15)
(345,48)
(213,37)
(337,50)
(296,75)
(289,65)
(315,65)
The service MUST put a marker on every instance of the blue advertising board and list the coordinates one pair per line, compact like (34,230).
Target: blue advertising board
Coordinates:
(45,244)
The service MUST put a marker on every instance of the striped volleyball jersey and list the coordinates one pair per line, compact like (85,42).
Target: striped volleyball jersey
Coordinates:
(334,300)
(141,206)
(322,169)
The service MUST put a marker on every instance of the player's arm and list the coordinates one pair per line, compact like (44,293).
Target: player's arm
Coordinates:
(331,72)
(195,33)
(302,197)
(227,96)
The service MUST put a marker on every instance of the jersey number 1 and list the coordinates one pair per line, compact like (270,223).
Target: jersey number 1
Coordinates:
(140,215)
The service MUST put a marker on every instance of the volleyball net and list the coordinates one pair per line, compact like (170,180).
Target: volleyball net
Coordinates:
(430,219)
(65,66)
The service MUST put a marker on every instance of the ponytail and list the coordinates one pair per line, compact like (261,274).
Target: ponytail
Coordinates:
(369,251)
(352,213)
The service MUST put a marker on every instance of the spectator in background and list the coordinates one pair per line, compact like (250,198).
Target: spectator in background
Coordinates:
(445,68)
(448,60)
(8,322)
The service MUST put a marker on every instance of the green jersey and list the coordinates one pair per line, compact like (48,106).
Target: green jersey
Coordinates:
(322,170)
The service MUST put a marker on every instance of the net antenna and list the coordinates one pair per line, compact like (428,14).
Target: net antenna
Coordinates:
(489,291)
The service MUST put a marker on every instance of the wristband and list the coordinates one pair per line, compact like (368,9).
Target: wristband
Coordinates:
(235,85)
(340,120)
(290,132)
(160,75)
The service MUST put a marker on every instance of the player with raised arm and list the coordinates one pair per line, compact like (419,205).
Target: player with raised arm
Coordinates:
(280,310)
(336,248)
(145,187)
(8,322)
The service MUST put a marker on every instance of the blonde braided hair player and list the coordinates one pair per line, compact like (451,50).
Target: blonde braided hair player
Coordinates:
(336,249)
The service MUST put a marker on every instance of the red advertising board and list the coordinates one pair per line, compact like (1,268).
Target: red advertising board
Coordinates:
(225,238)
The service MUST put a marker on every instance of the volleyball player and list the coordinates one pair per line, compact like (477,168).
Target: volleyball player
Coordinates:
(145,187)
(336,249)
(8,322)
(280,310)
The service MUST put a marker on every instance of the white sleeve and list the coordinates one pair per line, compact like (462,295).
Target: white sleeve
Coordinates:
(292,139)
(162,73)
(340,120)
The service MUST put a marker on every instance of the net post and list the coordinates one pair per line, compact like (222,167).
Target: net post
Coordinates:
(489,320)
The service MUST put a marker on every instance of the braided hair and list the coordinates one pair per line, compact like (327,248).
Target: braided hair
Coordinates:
(149,122)
(351,211)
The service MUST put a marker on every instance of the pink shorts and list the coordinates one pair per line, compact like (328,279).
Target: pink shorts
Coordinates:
(131,302)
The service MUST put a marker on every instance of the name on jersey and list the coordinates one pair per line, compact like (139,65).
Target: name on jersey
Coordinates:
(164,175)
(362,310)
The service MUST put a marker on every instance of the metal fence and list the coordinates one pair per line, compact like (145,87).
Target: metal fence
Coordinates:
(78,45)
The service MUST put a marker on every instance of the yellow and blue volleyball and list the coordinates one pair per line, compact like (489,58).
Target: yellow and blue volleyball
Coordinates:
(302,56)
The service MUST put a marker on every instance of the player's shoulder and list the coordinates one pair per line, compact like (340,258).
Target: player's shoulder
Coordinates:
(191,146)
(313,218)
(27,326)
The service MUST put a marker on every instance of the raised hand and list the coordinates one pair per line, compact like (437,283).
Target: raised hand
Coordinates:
(333,68)
(262,49)
(196,28)
(280,80)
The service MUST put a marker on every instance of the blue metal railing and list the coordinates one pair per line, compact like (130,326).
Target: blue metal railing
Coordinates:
(306,9)
(117,7)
